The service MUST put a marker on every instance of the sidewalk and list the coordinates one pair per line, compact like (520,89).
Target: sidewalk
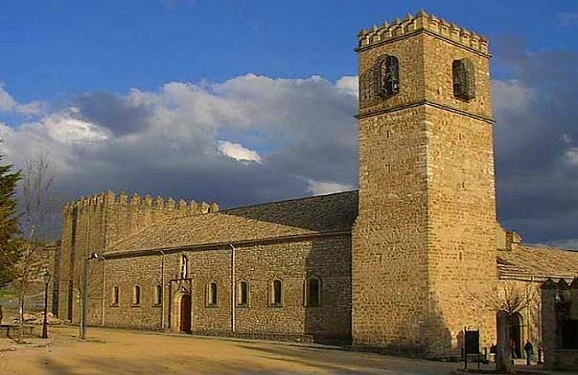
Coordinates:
(520,369)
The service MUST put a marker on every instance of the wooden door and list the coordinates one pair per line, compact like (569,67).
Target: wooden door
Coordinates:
(186,313)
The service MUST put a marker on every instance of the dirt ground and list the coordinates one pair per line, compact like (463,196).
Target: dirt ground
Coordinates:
(108,351)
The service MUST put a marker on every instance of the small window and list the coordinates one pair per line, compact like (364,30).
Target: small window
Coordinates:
(212,294)
(115,296)
(464,79)
(136,296)
(276,298)
(184,267)
(312,292)
(387,76)
(243,294)
(158,295)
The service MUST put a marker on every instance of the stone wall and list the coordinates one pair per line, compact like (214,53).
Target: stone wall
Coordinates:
(292,262)
(94,223)
(559,305)
(424,240)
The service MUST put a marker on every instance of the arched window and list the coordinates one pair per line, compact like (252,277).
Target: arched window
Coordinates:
(158,295)
(387,76)
(115,296)
(276,295)
(243,294)
(136,295)
(212,294)
(312,292)
(464,78)
(184,267)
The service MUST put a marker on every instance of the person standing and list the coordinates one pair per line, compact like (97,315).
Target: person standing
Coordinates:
(529,349)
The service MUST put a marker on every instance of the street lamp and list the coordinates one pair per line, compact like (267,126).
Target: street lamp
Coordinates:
(83,318)
(46,277)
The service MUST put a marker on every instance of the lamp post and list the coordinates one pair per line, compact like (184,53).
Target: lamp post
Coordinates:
(46,277)
(83,318)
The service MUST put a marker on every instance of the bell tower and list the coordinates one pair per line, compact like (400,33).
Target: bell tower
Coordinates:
(424,240)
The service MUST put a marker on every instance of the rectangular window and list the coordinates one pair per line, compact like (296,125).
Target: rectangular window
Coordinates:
(313,292)
(115,296)
(158,295)
(136,296)
(276,298)
(212,295)
(243,294)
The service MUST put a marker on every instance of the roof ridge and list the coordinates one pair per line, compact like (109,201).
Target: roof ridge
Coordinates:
(290,200)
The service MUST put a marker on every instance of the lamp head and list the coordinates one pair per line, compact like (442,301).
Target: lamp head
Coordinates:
(46,276)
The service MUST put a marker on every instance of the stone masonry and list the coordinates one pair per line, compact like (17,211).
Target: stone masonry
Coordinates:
(92,224)
(425,235)
(402,265)
(560,324)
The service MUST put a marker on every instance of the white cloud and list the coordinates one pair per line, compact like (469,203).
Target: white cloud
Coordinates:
(349,85)
(571,156)
(190,139)
(9,104)
(33,108)
(569,244)
(511,95)
(327,187)
(238,152)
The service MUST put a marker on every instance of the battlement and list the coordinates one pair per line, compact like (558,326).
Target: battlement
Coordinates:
(421,21)
(159,204)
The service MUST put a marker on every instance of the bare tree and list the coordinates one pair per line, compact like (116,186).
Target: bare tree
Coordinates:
(94,288)
(36,209)
(511,298)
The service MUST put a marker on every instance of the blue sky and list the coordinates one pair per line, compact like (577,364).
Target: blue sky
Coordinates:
(231,100)
(54,49)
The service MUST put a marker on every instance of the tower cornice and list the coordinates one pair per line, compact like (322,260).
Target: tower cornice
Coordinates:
(422,23)
(365,114)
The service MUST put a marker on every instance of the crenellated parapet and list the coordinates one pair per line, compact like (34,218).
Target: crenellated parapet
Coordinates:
(93,223)
(110,200)
(421,21)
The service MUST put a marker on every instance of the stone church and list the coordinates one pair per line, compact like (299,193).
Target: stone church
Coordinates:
(402,264)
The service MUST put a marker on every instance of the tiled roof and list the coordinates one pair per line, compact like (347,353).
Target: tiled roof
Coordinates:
(539,262)
(305,216)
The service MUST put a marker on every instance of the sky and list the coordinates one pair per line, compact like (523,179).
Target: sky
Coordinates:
(251,101)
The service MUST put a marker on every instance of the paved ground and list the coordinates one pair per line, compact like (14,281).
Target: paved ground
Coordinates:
(125,352)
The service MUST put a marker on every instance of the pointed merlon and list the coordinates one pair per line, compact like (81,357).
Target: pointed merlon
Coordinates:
(574,284)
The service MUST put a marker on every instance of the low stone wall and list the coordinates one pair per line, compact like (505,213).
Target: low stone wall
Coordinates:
(11,331)
(566,359)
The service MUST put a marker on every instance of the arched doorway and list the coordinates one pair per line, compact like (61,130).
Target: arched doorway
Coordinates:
(185,316)
(516,334)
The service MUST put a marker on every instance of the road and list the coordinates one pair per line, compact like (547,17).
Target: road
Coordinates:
(119,352)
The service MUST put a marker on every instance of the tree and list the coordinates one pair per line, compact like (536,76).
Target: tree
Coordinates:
(511,298)
(9,251)
(36,208)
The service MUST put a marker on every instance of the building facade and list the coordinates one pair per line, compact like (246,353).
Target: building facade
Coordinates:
(403,264)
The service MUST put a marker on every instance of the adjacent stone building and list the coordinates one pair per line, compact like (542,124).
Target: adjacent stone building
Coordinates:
(403,264)
(560,325)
